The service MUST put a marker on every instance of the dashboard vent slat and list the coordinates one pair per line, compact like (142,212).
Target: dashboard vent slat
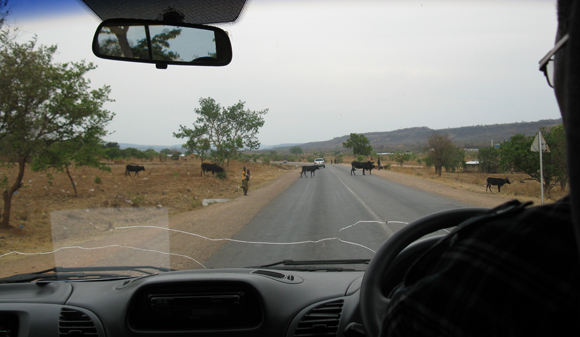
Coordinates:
(73,322)
(321,321)
(269,273)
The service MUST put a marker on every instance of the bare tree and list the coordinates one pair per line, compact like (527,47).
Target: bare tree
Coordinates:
(440,151)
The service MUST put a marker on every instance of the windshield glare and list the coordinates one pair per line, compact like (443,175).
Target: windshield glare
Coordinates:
(200,168)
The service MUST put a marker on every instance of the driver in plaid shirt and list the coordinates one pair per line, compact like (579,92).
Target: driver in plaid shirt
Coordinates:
(510,272)
(515,270)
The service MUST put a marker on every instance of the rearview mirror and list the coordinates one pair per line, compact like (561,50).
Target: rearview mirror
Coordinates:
(162,44)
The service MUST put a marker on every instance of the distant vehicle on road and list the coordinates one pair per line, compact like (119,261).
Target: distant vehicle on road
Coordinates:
(320,162)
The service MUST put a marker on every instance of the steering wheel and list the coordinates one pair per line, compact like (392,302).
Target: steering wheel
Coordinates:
(373,303)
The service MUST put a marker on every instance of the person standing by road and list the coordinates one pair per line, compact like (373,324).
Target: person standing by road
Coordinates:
(245,181)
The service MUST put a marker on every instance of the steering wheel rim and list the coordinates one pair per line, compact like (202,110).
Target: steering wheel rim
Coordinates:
(373,303)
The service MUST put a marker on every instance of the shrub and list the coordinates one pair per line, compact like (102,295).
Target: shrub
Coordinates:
(221,175)
(137,201)
(195,203)
(97,180)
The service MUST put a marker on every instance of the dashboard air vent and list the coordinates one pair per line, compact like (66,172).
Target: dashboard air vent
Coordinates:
(321,321)
(73,322)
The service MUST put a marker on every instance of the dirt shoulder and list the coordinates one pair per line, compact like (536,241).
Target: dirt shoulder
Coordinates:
(221,221)
(211,225)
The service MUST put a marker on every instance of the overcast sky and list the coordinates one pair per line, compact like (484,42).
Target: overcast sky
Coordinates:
(325,69)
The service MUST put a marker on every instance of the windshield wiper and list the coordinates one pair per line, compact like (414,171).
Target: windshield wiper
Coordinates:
(80,273)
(314,268)
(315,264)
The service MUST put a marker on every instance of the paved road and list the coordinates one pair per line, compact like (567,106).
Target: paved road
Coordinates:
(325,209)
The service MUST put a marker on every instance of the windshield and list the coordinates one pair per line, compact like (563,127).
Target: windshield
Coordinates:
(412,107)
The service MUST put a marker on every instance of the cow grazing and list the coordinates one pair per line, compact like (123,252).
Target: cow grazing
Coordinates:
(133,168)
(213,168)
(496,181)
(310,169)
(369,165)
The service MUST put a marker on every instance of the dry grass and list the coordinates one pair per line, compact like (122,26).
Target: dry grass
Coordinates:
(177,186)
(476,182)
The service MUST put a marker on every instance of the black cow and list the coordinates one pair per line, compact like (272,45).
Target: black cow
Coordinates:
(496,181)
(133,168)
(369,165)
(310,169)
(205,167)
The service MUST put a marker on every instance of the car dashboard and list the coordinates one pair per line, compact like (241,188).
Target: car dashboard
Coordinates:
(221,302)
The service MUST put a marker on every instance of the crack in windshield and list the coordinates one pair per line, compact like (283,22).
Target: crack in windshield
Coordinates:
(64,234)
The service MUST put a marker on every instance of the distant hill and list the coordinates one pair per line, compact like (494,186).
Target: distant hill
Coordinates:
(288,145)
(414,139)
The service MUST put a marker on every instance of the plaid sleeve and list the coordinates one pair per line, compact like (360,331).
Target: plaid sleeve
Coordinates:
(510,276)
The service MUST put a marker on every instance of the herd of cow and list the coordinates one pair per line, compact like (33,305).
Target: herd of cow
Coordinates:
(364,166)
(369,166)
(205,167)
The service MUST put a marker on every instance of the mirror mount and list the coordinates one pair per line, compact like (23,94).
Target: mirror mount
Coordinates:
(162,42)
(171,16)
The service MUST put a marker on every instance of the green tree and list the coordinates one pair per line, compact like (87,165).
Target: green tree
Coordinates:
(359,144)
(488,158)
(150,154)
(441,152)
(113,153)
(159,46)
(131,152)
(228,130)
(198,146)
(515,155)
(111,145)
(42,103)
(456,160)
(112,150)
(401,157)
(556,137)
(83,150)
(119,45)
(296,150)
(176,155)
(275,156)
